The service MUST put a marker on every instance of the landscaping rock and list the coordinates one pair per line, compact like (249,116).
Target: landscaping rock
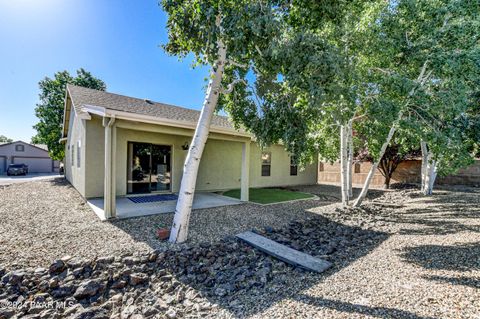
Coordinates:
(138,279)
(57,266)
(88,288)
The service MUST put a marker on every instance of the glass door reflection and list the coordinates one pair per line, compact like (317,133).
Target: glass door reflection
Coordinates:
(148,168)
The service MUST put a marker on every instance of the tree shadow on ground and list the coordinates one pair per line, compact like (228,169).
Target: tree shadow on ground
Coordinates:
(437,215)
(432,226)
(244,281)
(60,181)
(461,280)
(213,224)
(333,192)
(356,243)
(356,309)
(462,257)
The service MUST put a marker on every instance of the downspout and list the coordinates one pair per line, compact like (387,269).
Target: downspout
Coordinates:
(108,197)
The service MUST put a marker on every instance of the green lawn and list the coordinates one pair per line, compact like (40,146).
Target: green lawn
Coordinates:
(268,195)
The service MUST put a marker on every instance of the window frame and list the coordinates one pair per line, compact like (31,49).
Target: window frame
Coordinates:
(19,148)
(72,155)
(79,153)
(266,164)
(293,167)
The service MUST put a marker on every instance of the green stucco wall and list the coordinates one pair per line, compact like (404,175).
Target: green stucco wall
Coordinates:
(74,171)
(220,168)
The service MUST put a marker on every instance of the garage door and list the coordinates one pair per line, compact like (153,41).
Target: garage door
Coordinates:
(2,165)
(35,165)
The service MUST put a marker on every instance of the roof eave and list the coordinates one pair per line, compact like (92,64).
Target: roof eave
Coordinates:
(101,111)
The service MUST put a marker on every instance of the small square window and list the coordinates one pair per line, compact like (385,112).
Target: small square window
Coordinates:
(19,148)
(266,163)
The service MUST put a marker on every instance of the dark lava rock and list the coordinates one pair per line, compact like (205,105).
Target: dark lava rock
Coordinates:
(138,279)
(57,266)
(88,288)
(92,313)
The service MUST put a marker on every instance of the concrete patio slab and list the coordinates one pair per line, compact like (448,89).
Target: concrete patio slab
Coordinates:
(126,208)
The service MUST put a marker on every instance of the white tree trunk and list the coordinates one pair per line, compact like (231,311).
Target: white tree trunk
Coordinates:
(183,210)
(420,80)
(373,169)
(350,159)
(424,149)
(343,164)
(433,177)
(431,174)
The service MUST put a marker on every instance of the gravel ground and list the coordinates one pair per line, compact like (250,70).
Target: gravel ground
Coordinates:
(428,267)
(401,256)
(47,220)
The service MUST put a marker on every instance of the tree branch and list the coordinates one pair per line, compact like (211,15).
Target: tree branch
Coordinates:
(240,65)
(230,87)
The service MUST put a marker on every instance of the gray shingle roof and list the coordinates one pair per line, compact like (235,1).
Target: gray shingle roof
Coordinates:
(83,96)
(42,146)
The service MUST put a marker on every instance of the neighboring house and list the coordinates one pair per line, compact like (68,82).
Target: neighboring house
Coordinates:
(117,145)
(408,171)
(34,155)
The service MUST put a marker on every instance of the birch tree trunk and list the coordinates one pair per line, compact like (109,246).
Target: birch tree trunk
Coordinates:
(430,174)
(424,149)
(343,164)
(432,177)
(373,169)
(350,159)
(183,209)
(420,80)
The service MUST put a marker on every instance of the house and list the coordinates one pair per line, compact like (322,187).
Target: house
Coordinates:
(34,155)
(408,171)
(120,146)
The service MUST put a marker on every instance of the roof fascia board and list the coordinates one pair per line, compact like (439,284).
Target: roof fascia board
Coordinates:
(93,109)
(155,120)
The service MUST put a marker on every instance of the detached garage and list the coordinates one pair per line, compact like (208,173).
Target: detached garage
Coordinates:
(35,156)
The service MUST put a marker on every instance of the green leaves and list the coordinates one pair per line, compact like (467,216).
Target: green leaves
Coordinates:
(313,65)
(49,110)
(4,139)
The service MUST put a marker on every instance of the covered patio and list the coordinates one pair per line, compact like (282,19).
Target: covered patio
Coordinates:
(231,154)
(127,207)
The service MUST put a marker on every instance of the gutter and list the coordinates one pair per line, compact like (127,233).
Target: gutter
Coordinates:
(101,111)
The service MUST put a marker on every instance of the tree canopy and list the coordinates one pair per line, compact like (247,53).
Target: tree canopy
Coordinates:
(4,139)
(49,110)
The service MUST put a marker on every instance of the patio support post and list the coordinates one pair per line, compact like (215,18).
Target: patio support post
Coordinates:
(244,185)
(113,173)
(108,196)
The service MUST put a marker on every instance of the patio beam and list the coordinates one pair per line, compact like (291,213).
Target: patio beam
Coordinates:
(245,183)
(162,129)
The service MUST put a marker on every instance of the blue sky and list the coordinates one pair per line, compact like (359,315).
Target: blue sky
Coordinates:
(116,40)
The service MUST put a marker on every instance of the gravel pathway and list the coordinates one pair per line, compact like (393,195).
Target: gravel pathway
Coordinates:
(400,256)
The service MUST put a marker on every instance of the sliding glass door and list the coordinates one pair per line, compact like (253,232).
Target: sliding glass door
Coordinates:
(148,168)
